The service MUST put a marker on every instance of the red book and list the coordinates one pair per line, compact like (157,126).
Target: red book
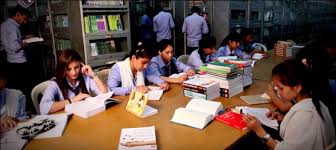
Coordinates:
(232,119)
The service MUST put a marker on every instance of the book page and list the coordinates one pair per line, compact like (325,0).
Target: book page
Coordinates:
(209,107)
(154,94)
(191,118)
(260,113)
(138,138)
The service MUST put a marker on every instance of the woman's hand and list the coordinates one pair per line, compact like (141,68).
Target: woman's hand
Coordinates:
(182,78)
(79,97)
(164,86)
(7,123)
(275,115)
(87,70)
(271,92)
(142,89)
(190,72)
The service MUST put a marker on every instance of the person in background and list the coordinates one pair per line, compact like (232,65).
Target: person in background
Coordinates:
(229,46)
(12,104)
(204,54)
(164,65)
(73,82)
(11,42)
(162,24)
(128,75)
(308,124)
(247,41)
(194,26)
(146,31)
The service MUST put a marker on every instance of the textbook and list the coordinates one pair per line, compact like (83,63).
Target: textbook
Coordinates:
(255,99)
(232,119)
(198,113)
(142,138)
(91,105)
(33,39)
(137,104)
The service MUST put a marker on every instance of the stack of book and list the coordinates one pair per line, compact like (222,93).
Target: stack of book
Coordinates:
(228,76)
(102,23)
(201,88)
(245,67)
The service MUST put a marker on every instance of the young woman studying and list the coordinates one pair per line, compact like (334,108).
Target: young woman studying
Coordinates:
(230,45)
(308,124)
(204,54)
(164,65)
(129,74)
(73,82)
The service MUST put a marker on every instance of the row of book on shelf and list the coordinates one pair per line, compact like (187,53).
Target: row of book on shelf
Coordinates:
(102,23)
(102,2)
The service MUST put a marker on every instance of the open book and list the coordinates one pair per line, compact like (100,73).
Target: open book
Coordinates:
(155,93)
(260,113)
(33,39)
(198,113)
(256,99)
(91,105)
(138,138)
(137,104)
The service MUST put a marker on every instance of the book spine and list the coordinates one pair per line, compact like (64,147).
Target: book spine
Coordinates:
(194,90)
(86,24)
(195,87)
(195,95)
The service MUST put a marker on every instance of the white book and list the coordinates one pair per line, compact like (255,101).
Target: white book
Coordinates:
(33,39)
(256,99)
(223,58)
(260,113)
(142,138)
(198,113)
(90,106)
(61,120)
(154,94)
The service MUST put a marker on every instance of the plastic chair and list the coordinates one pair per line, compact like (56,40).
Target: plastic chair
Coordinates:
(259,46)
(183,58)
(103,74)
(38,90)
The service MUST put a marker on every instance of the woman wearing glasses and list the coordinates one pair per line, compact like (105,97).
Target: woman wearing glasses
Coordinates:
(129,73)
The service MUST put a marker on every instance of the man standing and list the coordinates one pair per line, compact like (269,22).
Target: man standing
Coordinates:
(194,26)
(11,42)
(162,24)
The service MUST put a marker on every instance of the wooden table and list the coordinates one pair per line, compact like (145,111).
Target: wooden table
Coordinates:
(263,67)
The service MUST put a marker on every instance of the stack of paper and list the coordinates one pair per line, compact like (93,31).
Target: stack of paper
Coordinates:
(138,138)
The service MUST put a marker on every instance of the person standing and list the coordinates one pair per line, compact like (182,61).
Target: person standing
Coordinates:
(11,42)
(194,26)
(162,24)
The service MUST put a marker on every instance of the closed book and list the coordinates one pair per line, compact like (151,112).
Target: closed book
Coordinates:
(196,95)
(232,119)
(240,62)
(86,24)
(137,105)
(100,23)
(222,66)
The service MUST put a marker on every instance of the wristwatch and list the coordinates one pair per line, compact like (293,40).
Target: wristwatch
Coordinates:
(265,138)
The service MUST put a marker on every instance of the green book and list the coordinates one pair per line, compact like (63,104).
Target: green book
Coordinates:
(86,24)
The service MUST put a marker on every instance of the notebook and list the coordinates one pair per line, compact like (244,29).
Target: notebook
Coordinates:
(154,94)
(91,105)
(198,113)
(256,99)
(137,104)
(142,138)
(232,119)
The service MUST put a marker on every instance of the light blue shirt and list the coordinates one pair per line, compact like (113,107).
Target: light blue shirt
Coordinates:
(11,41)
(156,69)
(194,26)
(146,28)
(225,51)
(114,82)
(195,61)
(162,23)
(19,96)
(53,93)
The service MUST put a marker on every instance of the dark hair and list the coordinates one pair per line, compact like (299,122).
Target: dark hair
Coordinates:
(293,72)
(140,52)
(163,44)
(195,9)
(206,42)
(233,36)
(21,10)
(158,8)
(65,58)
(245,32)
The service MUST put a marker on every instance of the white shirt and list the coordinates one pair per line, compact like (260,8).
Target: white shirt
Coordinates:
(303,128)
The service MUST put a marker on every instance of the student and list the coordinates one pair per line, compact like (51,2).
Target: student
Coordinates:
(230,45)
(308,124)
(280,103)
(162,24)
(73,82)
(129,73)
(164,65)
(12,104)
(246,45)
(194,26)
(204,54)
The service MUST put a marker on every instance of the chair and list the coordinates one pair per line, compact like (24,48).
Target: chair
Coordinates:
(259,46)
(36,92)
(183,58)
(103,74)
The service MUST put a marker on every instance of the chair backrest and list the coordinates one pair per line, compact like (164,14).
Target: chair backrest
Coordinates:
(38,90)
(259,46)
(183,58)
(103,74)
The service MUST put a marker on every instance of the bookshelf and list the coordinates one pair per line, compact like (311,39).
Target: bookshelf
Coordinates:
(98,30)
